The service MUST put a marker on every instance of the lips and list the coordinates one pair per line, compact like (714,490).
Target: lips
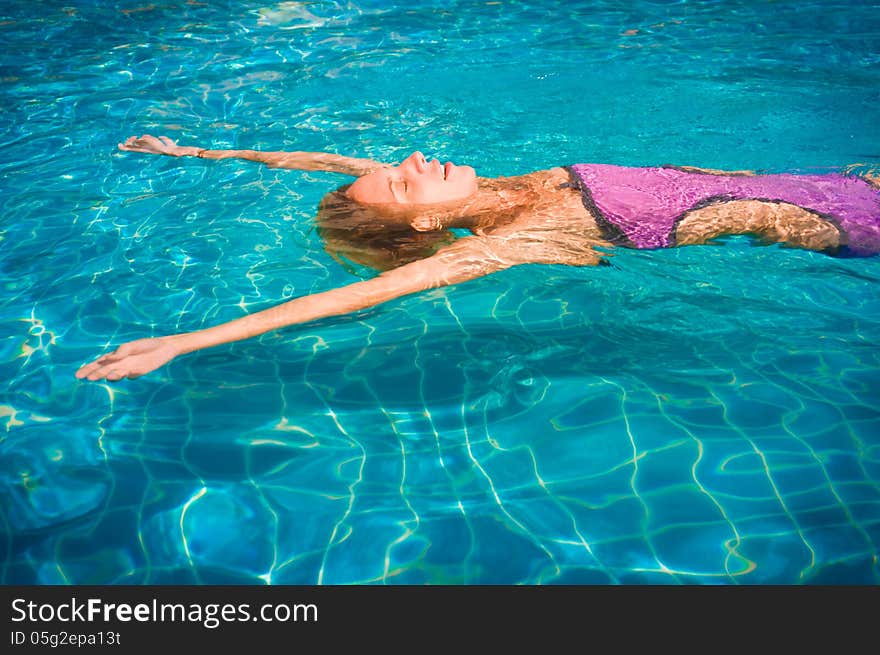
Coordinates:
(447,169)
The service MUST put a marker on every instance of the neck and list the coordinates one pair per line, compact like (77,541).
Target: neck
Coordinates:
(496,201)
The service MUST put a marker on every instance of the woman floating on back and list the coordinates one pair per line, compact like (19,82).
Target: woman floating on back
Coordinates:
(397,219)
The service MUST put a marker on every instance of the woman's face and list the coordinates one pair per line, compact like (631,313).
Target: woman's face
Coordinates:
(416,181)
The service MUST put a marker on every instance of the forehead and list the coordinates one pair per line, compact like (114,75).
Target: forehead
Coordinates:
(373,187)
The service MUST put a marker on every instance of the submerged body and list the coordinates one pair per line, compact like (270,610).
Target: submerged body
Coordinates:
(645,207)
(557,216)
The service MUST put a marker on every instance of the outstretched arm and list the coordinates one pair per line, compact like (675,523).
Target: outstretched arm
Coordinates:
(306,161)
(466,259)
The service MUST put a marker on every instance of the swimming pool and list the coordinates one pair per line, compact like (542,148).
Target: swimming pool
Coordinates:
(696,415)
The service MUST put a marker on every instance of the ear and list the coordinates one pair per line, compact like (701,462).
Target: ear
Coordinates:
(425,224)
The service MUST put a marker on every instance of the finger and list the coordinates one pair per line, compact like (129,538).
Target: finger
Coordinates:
(100,365)
(114,355)
(85,370)
(100,373)
(92,366)
(167,141)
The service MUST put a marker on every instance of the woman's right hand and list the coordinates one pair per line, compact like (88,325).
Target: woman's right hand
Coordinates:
(132,359)
(157,146)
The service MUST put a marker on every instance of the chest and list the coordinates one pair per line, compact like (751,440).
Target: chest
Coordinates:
(555,205)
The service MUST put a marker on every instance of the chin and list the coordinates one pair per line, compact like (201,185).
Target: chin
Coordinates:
(469,174)
(474,184)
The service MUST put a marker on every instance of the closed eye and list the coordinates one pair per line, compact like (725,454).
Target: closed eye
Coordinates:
(391,184)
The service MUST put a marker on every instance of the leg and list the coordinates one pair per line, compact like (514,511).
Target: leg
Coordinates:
(775,222)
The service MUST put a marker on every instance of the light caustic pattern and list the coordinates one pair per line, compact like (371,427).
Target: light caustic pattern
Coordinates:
(703,415)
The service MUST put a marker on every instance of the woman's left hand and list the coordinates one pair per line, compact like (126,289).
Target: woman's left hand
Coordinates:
(131,359)
(157,146)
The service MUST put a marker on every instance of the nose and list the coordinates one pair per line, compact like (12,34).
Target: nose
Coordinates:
(418,160)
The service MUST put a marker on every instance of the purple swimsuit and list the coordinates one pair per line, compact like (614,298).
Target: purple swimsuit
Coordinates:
(641,207)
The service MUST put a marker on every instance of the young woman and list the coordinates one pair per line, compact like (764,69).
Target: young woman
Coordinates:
(397,219)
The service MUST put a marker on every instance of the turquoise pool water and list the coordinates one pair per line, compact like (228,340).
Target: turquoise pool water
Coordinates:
(699,415)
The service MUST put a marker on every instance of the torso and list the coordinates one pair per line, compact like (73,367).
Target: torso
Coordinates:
(560,205)
(554,229)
